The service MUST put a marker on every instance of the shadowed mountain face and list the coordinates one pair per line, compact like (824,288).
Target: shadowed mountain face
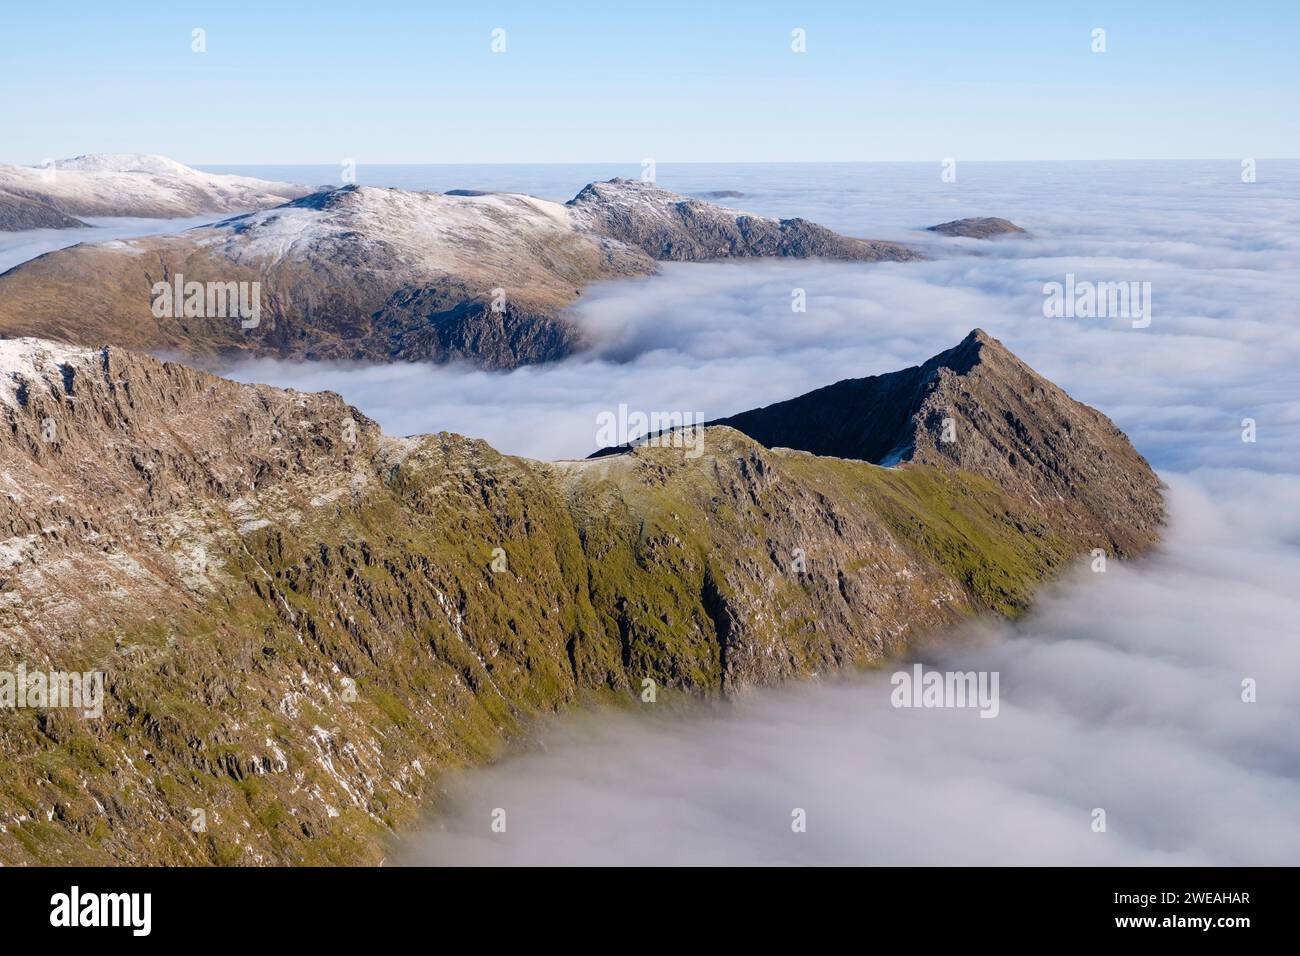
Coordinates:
(980,409)
(301,622)
(19,212)
(381,274)
(867,418)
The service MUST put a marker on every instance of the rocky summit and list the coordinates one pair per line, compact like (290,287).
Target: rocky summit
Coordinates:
(301,623)
(361,273)
(980,409)
(980,227)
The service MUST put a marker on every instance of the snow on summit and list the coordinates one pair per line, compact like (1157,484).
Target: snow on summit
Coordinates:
(126,163)
(361,273)
(126,184)
(429,232)
(25,360)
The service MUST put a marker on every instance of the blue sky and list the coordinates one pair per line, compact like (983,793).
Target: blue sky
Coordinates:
(680,82)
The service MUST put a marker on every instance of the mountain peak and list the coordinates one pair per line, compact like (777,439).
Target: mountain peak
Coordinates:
(979,408)
(375,274)
(25,361)
(126,163)
(331,197)
(125,184)
(669,226)
(248,548)
(967,353)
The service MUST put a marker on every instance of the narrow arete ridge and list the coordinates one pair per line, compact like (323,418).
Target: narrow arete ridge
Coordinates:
(233,556)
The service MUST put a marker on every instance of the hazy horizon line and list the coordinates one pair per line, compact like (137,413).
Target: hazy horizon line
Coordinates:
(753,162)
(660,162)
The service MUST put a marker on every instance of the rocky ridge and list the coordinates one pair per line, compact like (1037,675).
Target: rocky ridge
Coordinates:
(979,408)
(302,621)
(359,273)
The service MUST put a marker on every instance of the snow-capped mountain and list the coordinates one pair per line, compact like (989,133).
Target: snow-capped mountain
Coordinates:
(374,274)
(56,195)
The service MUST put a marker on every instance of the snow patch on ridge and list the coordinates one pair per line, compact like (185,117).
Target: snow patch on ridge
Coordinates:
(432,232)
(28,360)
(125,163)
(139,184)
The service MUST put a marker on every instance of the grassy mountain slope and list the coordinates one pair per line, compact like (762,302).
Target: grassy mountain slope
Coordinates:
(302,622)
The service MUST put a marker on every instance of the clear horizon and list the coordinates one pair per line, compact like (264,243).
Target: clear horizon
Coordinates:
(419,84)
(756,162)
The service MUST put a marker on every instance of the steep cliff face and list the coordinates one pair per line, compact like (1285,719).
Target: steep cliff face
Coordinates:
(383,274)
(301,622)
(978,408)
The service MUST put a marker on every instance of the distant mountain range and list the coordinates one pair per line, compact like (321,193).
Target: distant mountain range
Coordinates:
(372,274)
(301,621)
(125,184)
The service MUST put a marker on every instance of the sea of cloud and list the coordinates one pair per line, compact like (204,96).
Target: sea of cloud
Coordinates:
(1221,257)
(1121,691)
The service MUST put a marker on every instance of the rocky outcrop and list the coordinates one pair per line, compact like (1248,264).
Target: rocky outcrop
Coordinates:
(980,409)
(301,621)
(126,184)
(672,227)
(978,228)
(382,274)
